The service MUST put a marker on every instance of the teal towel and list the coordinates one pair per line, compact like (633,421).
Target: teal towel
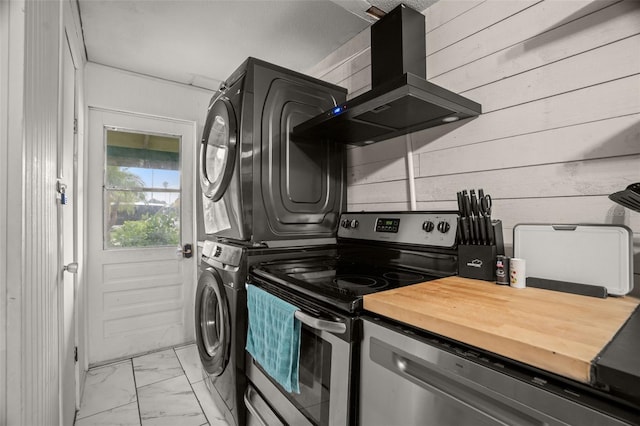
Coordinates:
(273,338)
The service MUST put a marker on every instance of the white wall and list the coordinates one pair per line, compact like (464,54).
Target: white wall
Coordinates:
(112,88)
(559,83)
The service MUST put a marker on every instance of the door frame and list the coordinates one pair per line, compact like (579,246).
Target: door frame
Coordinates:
(72,181)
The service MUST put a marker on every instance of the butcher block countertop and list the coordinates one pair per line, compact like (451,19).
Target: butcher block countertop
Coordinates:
(558,332)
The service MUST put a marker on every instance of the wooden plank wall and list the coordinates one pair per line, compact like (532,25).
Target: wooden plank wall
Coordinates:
(559,83)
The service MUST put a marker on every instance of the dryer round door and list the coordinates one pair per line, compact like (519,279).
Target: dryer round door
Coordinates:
(218,150)
(213,325)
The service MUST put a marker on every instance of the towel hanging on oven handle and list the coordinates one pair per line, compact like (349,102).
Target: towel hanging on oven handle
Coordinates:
(320,324)
(317,323)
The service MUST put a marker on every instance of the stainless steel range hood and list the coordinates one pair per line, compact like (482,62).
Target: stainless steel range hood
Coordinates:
(401,101)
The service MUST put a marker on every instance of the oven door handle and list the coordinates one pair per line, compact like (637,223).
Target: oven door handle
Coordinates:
(320,324)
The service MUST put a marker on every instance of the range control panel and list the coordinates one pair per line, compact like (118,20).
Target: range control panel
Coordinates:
(430,228)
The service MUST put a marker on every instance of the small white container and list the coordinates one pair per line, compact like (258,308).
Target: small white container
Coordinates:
(517,273)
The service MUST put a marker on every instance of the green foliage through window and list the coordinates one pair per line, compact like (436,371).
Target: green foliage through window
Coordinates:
(161,229)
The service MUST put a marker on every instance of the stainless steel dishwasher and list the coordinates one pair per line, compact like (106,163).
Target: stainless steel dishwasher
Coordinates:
(413,378)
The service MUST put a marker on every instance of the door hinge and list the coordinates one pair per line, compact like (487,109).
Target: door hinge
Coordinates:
(75,126)
(75,354)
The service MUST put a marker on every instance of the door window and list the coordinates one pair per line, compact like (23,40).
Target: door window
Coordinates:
(141,190)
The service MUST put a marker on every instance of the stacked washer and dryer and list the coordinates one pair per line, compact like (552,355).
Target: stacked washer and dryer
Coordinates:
(265,196)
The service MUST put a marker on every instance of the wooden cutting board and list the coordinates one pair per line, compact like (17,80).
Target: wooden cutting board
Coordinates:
(558,332)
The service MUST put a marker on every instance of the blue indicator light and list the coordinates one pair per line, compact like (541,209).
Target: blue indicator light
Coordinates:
(337,110)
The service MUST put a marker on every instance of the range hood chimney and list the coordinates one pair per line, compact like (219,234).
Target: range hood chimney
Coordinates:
(400,101)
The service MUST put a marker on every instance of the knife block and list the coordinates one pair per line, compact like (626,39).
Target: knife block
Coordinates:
(478,262)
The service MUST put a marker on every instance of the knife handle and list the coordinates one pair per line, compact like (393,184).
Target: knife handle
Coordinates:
(466,237)
(476,229)
(490,234)
(474,202)
(483,230)
(467,204)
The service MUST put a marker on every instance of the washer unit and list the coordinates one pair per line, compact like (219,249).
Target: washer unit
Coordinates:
(221,316)
(258,184)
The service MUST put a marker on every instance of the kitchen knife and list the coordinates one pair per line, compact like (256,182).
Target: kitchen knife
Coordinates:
(460,203)
(485,210)
(474,216)
(467,208)
(466,232)
(482,224)
(490,234)
(466,204)
(463,225)
(474,202)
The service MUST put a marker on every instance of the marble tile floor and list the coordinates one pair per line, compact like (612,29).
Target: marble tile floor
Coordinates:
(160,388)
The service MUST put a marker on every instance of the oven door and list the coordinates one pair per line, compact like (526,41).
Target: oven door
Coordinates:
(324,376)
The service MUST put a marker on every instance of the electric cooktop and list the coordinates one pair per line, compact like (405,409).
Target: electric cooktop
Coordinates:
(376,251)
(342,283)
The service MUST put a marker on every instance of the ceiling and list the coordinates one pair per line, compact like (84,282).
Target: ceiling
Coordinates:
(201,42)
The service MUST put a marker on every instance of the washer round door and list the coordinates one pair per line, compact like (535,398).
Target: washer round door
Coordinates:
(213,325)
(218,150)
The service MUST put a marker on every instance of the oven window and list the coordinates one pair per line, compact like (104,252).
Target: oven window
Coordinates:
(315,377)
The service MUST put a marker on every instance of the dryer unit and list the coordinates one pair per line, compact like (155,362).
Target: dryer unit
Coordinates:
(258,183)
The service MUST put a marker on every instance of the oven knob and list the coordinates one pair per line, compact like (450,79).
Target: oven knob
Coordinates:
(345,223)
(444,227)
(354,224)
(428,226)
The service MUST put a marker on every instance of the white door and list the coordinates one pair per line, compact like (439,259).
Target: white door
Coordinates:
(67,232)
(140,206)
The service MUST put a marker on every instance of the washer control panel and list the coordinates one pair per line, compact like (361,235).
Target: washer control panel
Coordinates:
(430,228)
(222,253)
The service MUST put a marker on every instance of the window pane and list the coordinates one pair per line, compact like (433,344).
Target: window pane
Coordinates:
(142,219)
(142,190)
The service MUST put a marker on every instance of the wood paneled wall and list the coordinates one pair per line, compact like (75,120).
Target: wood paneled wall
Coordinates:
(32,331)
(559,83)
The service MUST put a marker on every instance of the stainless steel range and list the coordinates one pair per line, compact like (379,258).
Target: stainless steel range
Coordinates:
(376,251)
